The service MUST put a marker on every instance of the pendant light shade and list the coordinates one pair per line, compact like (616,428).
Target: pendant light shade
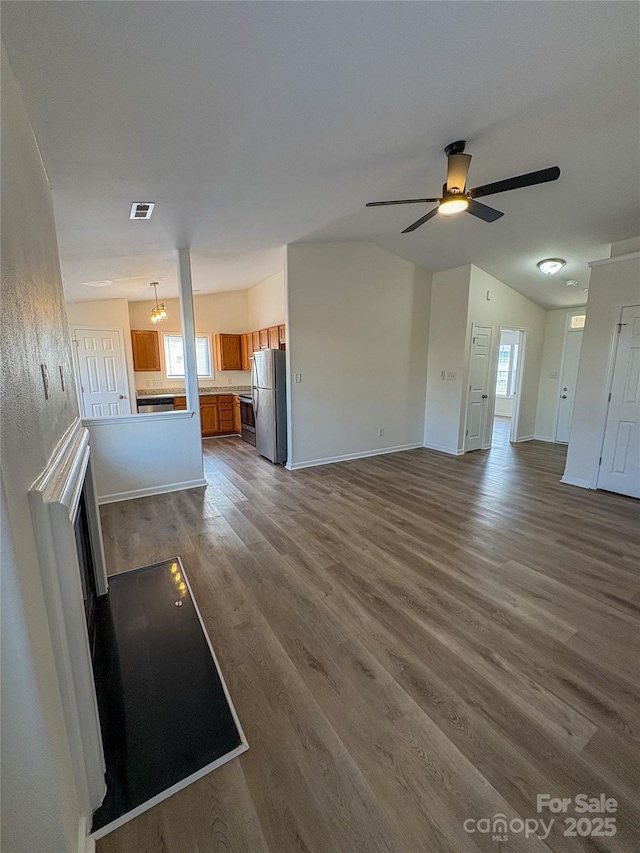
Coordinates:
(159,310)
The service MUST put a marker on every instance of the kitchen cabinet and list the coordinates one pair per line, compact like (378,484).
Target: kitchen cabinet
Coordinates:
(237,425)
(264,338)
(255,337)
(274,337)
(246,350)
(209,421)
(228,352)
(218,414)
(146,350)
(180,403)
(282,336)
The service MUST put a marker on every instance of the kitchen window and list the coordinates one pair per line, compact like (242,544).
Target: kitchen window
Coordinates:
(507,363)
(174,356)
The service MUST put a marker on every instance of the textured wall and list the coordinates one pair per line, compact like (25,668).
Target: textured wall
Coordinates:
(41,813)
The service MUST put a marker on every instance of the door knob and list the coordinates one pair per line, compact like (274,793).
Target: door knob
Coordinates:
(563,396)
(121,397)
(484,396)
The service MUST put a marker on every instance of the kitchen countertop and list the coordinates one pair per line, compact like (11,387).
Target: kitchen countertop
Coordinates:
(180,392)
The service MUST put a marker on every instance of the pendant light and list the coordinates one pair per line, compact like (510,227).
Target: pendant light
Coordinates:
(159,310)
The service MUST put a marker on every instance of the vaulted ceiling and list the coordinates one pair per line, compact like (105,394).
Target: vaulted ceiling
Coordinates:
(253,125)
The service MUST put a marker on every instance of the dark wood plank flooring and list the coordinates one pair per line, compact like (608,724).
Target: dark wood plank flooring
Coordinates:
(410,641)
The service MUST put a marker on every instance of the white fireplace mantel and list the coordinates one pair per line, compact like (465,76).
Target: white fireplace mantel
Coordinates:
(54,499)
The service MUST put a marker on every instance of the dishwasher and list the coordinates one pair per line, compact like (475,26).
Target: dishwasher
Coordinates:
(149,405)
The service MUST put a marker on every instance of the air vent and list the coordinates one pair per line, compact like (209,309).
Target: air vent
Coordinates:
(141,210)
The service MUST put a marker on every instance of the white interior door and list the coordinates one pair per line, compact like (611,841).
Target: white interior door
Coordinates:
(620,464)
(570,362)
(479,386)
(103,386)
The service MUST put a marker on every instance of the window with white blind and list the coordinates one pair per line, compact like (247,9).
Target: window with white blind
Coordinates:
(174,356)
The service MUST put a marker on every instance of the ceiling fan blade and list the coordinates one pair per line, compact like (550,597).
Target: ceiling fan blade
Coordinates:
(482,211)
(421,221)
(401,201)
(528,180)
(457,171)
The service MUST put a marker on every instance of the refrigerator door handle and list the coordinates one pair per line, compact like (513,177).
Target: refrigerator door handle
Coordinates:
(254,395)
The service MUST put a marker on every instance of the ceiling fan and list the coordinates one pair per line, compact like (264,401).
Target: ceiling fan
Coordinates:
(456,198)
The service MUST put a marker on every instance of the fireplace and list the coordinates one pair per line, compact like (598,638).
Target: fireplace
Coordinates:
(66,523)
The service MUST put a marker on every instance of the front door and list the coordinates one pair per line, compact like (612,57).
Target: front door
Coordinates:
(620,464)
(479,382)
(102,379)
(570,363)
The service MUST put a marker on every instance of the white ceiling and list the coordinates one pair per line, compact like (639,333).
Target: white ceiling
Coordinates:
(252,125)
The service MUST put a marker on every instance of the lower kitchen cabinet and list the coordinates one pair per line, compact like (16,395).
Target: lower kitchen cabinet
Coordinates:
(218,415)
(209,420)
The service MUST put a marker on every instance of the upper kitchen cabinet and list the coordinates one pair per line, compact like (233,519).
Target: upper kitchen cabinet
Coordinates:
(274,337)
(255,338)
(228,352)
(282,338)
(246,350)
(146,350)
(264,338)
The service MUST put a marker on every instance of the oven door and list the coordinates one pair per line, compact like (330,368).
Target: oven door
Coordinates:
(247,420)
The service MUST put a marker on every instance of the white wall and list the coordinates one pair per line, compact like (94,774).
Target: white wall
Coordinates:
(40,812)
(459,299)
(611,286)
(504,406)
(266,303)
(145,454)
(215,313)
(511,309)
(444,414)
(358,318)
(107,314)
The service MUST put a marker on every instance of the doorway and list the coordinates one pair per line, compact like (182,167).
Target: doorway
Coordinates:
(508,380)
(101,377)
(479,388)
(569,374)
(620,461)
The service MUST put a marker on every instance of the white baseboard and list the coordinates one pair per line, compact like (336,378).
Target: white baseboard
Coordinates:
(524,438)
(151,490)
(328,460)
(544,438)
(86,842)
(573,481)
(452,451)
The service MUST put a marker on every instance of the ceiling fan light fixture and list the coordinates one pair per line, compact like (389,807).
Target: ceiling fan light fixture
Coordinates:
(550,266)
(452,205)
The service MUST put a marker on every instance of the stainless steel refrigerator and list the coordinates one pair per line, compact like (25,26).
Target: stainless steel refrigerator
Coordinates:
(268,389)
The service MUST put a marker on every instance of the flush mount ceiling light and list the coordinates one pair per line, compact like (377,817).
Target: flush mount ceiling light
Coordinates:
(550,266)
(141,210)
(105,282)
(159,310)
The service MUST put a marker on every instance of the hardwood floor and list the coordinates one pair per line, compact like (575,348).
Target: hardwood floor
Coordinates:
(410,641)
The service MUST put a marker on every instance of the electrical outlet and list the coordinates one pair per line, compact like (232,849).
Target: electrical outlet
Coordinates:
(157,383)
(554,375)
(147,383)
(451,376)
(380,431)
(297,377)
(442,374)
